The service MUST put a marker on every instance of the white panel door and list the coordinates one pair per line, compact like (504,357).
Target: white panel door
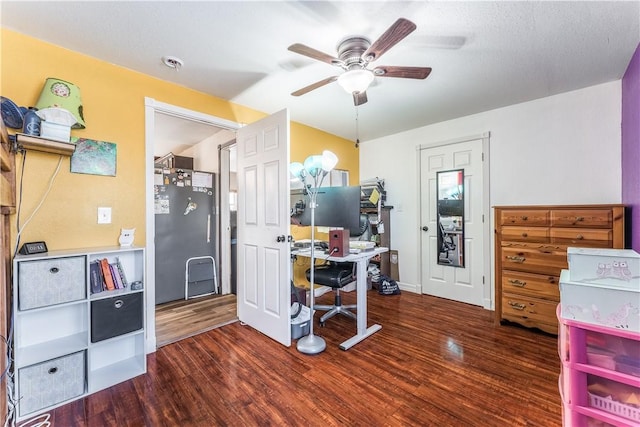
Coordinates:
(264,294)
(463,284)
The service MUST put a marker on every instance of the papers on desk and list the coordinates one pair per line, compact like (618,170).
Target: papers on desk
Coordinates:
(362,245)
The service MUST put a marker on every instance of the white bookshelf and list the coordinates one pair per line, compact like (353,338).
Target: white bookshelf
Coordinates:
(53,328)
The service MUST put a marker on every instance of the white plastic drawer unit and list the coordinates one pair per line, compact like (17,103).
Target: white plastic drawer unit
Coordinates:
(54,381)
(51,281)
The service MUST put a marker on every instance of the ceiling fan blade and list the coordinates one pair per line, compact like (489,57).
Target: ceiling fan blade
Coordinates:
(359,98)
(315,85)
(403,72)
(399,30)
(313,53)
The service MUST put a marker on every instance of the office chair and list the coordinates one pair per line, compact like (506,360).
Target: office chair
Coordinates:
(337,275)
(447,243)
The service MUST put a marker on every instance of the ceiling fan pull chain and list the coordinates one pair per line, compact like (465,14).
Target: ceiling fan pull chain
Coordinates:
(357,129)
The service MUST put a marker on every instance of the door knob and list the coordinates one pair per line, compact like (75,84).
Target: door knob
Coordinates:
(281,238)
(425,228)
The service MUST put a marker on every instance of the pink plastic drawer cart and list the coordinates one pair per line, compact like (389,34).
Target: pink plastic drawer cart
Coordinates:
(600,375)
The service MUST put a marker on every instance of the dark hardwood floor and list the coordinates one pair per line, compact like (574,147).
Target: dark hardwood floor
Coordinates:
(434,363)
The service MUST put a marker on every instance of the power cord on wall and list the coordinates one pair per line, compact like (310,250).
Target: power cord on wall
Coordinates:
(44,197)
(9,373)
(41,420)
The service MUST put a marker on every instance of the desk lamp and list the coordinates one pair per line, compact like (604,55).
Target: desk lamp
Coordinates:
(312,173)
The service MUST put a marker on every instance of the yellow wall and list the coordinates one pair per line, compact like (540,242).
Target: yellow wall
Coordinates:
(113,100)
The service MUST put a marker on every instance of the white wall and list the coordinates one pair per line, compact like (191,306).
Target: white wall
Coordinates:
(564,149)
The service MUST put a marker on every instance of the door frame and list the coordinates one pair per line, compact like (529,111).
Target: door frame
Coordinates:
(488,298)
(224,217)
(151,108)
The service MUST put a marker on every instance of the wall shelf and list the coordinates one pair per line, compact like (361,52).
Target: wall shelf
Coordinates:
(36,143)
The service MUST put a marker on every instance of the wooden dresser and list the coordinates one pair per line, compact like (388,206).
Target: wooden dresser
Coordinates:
(531,249)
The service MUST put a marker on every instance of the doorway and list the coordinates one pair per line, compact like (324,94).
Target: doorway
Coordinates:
(454,255)
(188,134)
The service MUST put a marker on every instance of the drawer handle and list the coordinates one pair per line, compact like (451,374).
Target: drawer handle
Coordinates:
(118,303)
(518,283)
(517,306)
(53,370)
(580,237)
(525,235)
(515,258)
(579,218)
(54,270)
(524,217)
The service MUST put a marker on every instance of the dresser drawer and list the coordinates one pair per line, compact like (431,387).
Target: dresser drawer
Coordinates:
(594,218)
(51,281)
(524,217)
(582,237)
(531,312)
(526,234)
(534,285)
(545,259)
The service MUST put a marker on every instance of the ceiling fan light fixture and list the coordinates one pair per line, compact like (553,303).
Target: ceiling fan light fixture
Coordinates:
(355,80)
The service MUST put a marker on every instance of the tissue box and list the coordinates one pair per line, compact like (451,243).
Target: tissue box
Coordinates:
(604,305)
(55,131)
(617,267)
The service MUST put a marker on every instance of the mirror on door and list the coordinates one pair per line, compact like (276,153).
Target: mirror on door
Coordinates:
(450,206)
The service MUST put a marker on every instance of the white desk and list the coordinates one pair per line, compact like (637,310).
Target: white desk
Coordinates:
(362,260)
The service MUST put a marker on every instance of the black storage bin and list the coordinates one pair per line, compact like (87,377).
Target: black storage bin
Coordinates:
(115,316)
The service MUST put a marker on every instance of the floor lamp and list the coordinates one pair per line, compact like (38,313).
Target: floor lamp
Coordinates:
(312,173)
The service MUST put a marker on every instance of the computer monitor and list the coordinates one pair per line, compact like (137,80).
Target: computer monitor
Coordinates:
(336,207)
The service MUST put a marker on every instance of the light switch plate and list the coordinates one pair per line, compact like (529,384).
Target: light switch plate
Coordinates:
(104,215)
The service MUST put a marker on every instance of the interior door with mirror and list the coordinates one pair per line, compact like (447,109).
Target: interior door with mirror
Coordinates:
(451,211)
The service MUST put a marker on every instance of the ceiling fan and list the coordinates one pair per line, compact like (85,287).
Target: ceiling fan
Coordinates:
(355,53)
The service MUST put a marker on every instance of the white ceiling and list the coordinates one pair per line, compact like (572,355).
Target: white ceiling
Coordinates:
(484,55)
(177,135)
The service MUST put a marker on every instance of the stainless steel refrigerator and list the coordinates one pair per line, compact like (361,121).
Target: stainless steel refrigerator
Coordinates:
(184,234)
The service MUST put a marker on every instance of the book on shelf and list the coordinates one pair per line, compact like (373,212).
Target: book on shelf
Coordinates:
(105,276)
(106,273)
(121,273)
(115,276)
(95,277)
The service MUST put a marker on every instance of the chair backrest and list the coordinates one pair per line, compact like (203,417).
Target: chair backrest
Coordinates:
(364,226)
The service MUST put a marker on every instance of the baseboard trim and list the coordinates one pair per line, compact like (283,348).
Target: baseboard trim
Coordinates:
(409,287)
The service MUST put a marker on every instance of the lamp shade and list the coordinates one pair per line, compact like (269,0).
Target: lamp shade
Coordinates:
(313,165)
(329,160)
(355,80)
(296,169)
(62,94)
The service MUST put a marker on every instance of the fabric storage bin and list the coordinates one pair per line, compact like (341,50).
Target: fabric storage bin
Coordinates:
(51,281)
(606,305)
(618,267)
(115,316)
(51,382)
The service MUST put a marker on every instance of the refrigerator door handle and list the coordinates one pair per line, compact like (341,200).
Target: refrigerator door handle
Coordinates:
(208,228)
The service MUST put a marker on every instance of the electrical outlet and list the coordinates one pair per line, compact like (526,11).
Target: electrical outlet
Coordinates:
(104,215)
